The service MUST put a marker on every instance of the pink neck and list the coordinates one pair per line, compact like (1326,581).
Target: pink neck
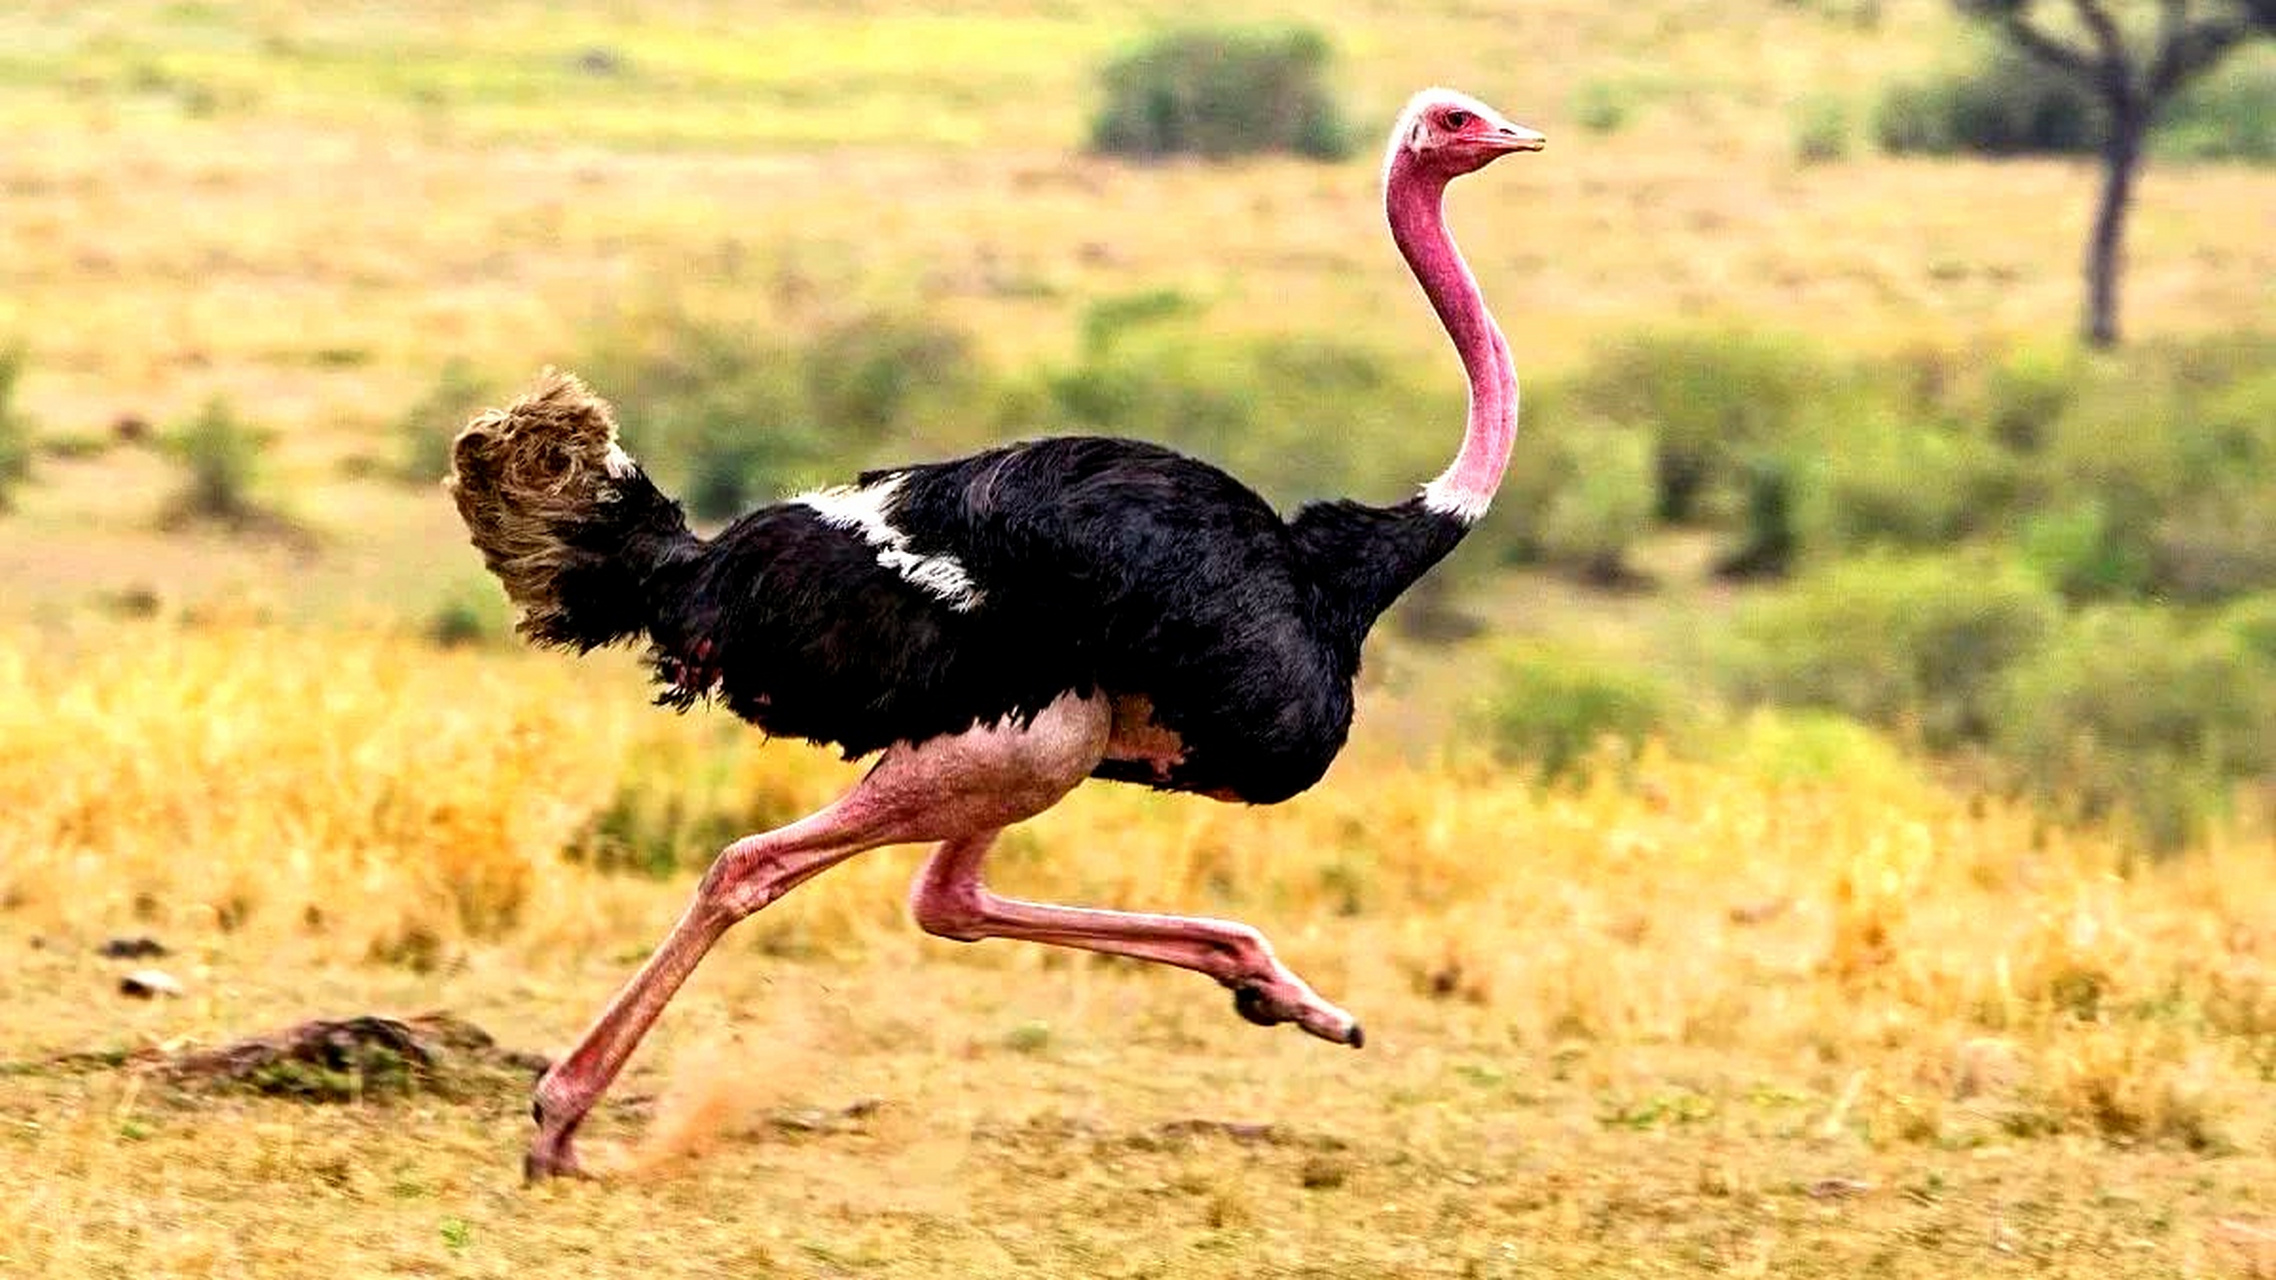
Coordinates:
(1412,199)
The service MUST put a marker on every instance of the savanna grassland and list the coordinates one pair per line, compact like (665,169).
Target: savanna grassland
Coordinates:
(1772,994)
(1747,1019)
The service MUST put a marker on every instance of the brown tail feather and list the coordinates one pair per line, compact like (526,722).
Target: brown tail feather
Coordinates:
(567,520)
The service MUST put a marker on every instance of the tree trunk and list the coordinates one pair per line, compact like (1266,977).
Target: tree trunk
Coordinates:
(2121,162)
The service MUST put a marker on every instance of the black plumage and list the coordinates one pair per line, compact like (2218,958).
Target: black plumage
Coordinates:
(1099,565)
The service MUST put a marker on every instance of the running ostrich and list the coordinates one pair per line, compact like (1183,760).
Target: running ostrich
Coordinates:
(1000,627)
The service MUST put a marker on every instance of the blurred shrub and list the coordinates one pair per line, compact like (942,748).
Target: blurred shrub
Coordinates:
(2167,458)
(15,432)
(734,414)
(2217,537)
(712,407)
(2135,711)
(2230,114)
(1813,746)
(679,800)
(1770,535)
(2252,621)
(425,431)
(2074,548)
(869,376)
(472,612)
(1889,480)
(1713,399)
(2026,393)
(1602,107)
(1297,418)
(2002,102)
(1918,641)
(2222,544)
(737,454)
(1109,318)
(1603,505)
(224,457)
(1822,130)
(1222,92)
(1553,708)
(1999,103)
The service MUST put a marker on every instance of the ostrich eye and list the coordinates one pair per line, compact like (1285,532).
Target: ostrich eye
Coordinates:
(1456,118)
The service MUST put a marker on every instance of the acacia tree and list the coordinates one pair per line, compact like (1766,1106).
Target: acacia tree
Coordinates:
(2134,68)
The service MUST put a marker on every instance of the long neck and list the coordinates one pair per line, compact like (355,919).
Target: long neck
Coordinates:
(1414,202)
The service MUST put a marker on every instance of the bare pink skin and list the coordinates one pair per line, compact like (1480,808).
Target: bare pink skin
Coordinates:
(963,790)
(949,899)
(960,791)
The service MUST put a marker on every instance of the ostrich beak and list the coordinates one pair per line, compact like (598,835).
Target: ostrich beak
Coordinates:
(1516,137)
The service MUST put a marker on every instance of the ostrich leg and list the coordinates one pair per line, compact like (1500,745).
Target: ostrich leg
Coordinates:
(944,789)
(948,899)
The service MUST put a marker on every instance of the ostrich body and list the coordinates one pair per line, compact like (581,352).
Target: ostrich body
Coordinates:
(1001,627)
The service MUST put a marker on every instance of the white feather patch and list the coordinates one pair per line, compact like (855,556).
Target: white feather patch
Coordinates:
(1449,498)
(861,509)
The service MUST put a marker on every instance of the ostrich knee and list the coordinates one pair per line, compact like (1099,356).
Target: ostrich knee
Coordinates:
(956,911)
(754,871)
(1242,955)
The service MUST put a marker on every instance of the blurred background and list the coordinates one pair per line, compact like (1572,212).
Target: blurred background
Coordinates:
(1796,296)
(1852,732)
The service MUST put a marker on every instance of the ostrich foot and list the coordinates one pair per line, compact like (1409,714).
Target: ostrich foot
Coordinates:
(552,1152)
(1261,1004)
(544,1161)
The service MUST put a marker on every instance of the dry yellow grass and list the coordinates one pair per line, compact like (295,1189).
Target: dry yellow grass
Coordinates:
(1655,1024)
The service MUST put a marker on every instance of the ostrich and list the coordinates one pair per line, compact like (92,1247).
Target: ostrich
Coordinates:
(999,627)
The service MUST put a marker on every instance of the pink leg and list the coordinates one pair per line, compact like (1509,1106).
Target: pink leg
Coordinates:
(975,781)
(948,899)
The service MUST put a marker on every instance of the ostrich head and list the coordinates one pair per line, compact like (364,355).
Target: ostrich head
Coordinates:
(1447,134)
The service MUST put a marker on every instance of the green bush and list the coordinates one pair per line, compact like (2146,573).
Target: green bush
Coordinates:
(1222,92)
(2026,394)
(15,433)
(2223,544)
(1713,399)
(1809,746)
(2077,551)
(224,456)
(471,612)
(1822,131)
(1914,641)
(880,375)
(1108,319)
(425,431)
(2172,458)
(734,413)
(738,451)
(2252,621)
(1297,418)
(679,798)
(1888,480)
(1602,107)
(2228,115)
(2000,103)
(1604,504)
(1770,517)
(2135,711)
(1553,708)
